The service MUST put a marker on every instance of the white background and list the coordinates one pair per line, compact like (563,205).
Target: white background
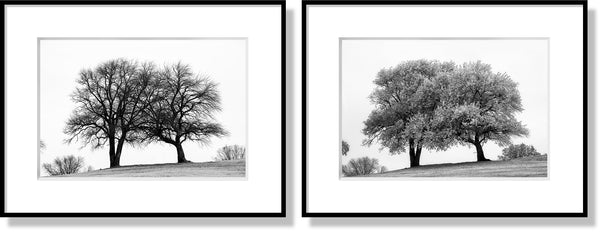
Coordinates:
(297,225)
(562,192)
(261,192)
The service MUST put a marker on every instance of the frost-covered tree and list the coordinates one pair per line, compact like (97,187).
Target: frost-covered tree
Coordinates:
(405,100)
(435,105)
(518,151)
(478,106)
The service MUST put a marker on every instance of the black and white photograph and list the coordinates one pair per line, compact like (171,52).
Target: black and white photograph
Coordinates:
(145,107)
(444,107)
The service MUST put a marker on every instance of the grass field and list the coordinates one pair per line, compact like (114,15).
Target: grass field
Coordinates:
(522,167)
(235,168)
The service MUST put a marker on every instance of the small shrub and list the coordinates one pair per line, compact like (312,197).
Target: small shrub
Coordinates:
(231,152)
(361,166)
(345,148)
(383,169)
(518,151)
(64,165)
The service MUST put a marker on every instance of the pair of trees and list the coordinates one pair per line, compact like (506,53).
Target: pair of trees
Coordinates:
(435,105)
(123,101)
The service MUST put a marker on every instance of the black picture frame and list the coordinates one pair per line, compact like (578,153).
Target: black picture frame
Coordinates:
(306,3)
(280,214)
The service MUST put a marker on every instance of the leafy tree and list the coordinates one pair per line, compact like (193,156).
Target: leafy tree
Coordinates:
(231,152)
(405,99)
(64,165)
(477,106)
(110,104)
(345,148)
(182,109)
(518,151)
(361,166)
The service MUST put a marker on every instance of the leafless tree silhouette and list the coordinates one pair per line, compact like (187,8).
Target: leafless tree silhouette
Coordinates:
(111,99)
(182,109)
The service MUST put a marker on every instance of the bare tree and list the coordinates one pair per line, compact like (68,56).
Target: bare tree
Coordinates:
(231,152)
(64,165)
(183,109)
(111,100)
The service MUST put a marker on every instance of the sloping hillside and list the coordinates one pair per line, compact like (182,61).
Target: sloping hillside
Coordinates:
(235,168)
(523,167)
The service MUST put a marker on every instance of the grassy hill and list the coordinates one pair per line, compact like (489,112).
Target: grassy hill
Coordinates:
(522,167)
(235,168)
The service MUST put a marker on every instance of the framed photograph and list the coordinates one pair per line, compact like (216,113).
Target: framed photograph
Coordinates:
(162,109)
(444,109)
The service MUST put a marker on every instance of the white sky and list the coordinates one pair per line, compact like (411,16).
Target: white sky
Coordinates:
(224,61)
(526,61)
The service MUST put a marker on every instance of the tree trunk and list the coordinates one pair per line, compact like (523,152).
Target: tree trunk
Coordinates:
(480,156)
(117,157)
(115,160)
(113,157)
(180,154)
(414,153)
(418,155)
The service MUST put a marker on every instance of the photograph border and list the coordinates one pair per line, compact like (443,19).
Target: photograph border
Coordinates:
(166,3)
(364,3)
